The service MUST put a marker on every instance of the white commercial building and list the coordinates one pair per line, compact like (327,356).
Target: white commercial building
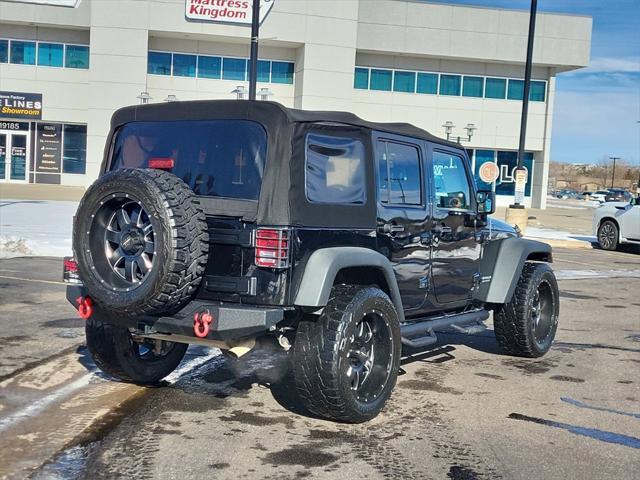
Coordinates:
(66,65)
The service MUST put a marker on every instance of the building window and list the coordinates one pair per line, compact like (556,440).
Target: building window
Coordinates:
(209,67)
(361,78)
(537,91)
(482,157)
(450,85)
(234,69)
(507,163)
(264,71)
(184,65)
(159,63)
(23,53)
(495,88)
(74,150)
(4,51)
(473,87)
(282,72)
(404,82)
(516,90)
(50,54)
(427,83)
(399,179)
(335,170)
(76,56)
(381,79)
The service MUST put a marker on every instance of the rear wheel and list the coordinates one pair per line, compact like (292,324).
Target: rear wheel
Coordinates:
(608,235)
(526,326)
(345,362)
(117,352)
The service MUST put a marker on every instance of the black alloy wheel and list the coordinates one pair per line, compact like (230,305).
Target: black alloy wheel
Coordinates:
(543,318)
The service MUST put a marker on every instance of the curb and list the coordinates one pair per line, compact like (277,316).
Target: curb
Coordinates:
(556,243)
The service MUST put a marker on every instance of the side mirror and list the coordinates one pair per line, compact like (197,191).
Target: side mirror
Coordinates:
(486,201)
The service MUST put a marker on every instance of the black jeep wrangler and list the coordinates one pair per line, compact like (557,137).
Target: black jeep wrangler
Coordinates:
(219,222)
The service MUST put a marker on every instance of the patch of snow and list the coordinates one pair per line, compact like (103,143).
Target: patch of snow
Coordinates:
(585,274)
(36,228)
(535,232)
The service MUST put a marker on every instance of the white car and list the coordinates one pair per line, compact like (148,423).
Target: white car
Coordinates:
(617,222)
(599,196)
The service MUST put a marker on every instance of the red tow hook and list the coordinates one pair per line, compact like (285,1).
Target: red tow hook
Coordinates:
(201,323)
(85,307)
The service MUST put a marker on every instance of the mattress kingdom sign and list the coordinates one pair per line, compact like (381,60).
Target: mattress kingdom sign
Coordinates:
(233,12)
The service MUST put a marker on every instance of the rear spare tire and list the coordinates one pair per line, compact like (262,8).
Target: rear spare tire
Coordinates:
(141,242)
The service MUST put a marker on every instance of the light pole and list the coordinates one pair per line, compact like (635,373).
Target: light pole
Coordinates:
(613,173)
(253,61)
(448,130)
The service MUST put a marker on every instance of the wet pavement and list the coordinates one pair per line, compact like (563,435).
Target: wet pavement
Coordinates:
(462,410)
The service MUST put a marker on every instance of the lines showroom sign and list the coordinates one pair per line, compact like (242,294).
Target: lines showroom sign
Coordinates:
(235,12)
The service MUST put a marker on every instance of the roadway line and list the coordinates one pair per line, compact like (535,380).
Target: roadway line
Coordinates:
(34,280)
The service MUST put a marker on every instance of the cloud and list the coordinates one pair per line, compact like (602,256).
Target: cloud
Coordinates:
(609,65)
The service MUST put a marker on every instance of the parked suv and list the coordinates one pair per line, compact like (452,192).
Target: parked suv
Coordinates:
(218,222)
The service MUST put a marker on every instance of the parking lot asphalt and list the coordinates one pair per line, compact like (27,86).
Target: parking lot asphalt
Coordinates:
(462,410)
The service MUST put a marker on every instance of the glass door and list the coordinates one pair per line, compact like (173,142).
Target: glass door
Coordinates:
(3,156)
(13,157)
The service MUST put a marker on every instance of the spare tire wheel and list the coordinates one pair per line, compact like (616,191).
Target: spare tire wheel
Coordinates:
(141,242)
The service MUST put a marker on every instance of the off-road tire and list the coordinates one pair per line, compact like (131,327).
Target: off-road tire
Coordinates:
(512,321)
(611,243)
(319,354)
(181,242)
(113,351)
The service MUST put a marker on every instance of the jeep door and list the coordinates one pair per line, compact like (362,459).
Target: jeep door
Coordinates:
(403,215)
(455,242)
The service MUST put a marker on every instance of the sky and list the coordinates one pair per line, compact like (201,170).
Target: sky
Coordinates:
(597,109)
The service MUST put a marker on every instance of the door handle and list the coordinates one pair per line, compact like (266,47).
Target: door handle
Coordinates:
(391,228)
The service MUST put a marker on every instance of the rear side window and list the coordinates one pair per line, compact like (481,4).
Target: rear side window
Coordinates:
(399,180)
(334,170)
(219,158)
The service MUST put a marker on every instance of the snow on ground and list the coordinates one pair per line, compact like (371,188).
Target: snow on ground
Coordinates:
(549,234)
(35,228)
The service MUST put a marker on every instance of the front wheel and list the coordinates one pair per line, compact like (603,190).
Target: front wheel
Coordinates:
(345,362)
(526,326)
(117,352)
(608,235)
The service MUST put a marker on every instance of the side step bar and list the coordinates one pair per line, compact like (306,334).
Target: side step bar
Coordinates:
(421,334)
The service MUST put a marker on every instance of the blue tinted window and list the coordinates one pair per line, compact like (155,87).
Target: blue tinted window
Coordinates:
(234,69)
(361,78)
(381,79)
(4,51)
(399,179)
(282,72)
(516,90)
(184,65)
(537,91)
(450,84)
(264,71)
(427,83)
(159,63)
(495,88)
(74,150)
(483,156)
(209,67)
(23,53)
(507,162)
(404,82)
(473,86)
(76,56)
(50,54)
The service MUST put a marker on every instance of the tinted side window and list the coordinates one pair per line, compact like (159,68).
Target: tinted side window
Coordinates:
(399,180)
(450,178)
(221,158)
(334,170)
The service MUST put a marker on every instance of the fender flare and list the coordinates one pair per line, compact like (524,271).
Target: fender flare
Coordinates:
(501,266)
(323,266)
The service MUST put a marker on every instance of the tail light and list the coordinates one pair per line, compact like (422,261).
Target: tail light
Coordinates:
(70,271)
(272,247)
(161,163)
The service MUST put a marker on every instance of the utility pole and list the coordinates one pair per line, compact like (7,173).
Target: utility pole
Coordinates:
(516,213)
(613,174)
(253,61)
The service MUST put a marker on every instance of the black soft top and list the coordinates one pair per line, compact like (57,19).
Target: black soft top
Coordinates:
(283,196)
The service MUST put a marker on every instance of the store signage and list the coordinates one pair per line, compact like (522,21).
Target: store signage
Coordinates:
(521,182)
(489,172)
(20,105)
(235,12)
(14,126)
(49,148)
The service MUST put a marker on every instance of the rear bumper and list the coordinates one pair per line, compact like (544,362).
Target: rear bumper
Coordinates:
(229,322)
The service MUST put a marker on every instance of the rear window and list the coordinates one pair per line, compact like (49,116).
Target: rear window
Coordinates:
(221,158)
